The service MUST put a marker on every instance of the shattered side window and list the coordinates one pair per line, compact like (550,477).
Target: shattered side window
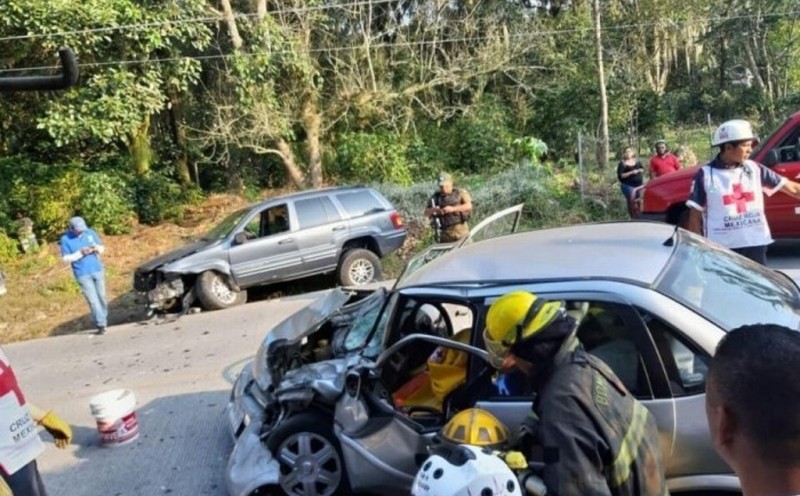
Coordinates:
(367,330)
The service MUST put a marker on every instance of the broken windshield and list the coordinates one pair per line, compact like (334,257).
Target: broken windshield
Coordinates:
(360,335)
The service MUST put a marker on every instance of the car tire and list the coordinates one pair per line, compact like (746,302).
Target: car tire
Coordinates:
(215,293)
(309,437)
(358,267)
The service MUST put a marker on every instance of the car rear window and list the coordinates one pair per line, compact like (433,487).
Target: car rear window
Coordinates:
(729,290)
(358,203)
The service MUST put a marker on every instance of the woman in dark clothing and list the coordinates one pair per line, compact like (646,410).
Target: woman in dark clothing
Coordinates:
(629,173)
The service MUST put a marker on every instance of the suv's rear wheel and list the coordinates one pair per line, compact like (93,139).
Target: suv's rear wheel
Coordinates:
(359,266)
(215,293)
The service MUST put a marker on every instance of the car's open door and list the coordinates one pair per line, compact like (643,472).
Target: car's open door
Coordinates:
(498,224)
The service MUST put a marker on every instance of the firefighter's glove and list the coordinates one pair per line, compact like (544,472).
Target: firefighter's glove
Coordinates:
(60,430)
(515,460)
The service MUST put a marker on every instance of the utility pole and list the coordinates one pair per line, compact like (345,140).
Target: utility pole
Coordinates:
(602,151)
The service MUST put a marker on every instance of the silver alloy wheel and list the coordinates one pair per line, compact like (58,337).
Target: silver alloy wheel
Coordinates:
(222,291)
(310,465)
(362,271)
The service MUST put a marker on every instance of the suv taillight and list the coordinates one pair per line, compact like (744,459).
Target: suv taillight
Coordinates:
(397,220)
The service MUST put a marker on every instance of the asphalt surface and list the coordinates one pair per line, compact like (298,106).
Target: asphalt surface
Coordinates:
(181,372)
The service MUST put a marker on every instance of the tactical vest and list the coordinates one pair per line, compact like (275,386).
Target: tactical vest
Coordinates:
(451,200)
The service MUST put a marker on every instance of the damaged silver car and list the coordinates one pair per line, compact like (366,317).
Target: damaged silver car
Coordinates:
(337,399)
(344,230)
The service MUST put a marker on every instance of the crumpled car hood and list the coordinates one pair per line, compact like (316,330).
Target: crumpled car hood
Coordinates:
(173,255)
(302,323)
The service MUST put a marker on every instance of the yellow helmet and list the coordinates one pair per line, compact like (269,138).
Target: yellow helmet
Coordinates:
(514,317)
(477,427)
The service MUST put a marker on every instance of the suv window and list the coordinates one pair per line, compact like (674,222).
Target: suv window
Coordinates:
(358,203)
(314,212)
(273,220)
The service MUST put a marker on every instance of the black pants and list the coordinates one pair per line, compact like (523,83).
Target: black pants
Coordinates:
(26,481)
(754,253)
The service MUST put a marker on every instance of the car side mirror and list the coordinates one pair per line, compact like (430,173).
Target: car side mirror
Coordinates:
(240,238)
(771,158)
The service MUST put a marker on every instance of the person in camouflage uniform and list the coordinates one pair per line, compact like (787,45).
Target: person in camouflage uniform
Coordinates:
(26,236)
(449,210)
(587,430)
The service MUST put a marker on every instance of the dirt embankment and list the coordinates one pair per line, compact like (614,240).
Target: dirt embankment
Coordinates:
(43,298)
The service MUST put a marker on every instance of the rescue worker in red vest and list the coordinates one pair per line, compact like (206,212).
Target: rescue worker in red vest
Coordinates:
(449,210)
(727,200)
(592,436)
(19,439)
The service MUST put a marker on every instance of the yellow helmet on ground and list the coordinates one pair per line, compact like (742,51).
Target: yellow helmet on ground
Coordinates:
(477,427)
(515,317)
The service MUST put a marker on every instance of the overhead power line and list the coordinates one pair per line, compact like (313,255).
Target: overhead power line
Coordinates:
(193,20)
(361,46)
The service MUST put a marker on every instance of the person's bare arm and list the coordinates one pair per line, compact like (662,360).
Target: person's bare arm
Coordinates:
(695,223)
(791,188)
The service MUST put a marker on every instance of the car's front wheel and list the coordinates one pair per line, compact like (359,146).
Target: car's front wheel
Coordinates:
(358,267)
(215,293)
(310,459)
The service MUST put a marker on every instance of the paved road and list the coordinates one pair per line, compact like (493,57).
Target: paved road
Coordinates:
(181,373)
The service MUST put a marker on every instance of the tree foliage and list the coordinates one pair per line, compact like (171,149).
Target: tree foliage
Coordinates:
(239,95)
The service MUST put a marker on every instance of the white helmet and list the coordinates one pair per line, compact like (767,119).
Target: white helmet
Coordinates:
(463,470)
(735,130)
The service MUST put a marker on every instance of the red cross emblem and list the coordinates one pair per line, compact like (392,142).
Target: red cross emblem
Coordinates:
(739,197)
(8,383)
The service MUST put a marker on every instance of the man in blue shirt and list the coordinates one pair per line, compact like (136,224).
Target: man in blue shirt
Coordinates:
(81,247)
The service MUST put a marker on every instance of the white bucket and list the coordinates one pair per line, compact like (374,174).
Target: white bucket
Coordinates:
(115,413)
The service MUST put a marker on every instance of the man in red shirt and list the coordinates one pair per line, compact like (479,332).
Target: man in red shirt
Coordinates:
(663,162)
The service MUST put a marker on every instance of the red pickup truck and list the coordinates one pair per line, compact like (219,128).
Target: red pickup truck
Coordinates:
(664,198)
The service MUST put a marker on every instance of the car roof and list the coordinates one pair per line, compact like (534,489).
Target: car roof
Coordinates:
(632,251)
(309,193)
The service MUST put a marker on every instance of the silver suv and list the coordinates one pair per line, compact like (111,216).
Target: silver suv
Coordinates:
(345,229)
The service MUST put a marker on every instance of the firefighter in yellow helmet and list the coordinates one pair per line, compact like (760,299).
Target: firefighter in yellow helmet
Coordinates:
(593,436)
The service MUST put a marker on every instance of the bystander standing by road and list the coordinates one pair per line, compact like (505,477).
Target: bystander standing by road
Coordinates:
(81,247)
(663,162)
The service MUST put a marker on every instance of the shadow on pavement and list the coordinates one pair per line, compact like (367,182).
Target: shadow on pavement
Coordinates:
(182,449)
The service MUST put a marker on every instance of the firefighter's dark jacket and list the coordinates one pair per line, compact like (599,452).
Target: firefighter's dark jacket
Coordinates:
(595,437)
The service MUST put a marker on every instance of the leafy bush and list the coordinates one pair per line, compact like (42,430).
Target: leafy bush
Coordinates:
(105,202)
(379,156)
(483,139)
(157,198)
(9,248)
